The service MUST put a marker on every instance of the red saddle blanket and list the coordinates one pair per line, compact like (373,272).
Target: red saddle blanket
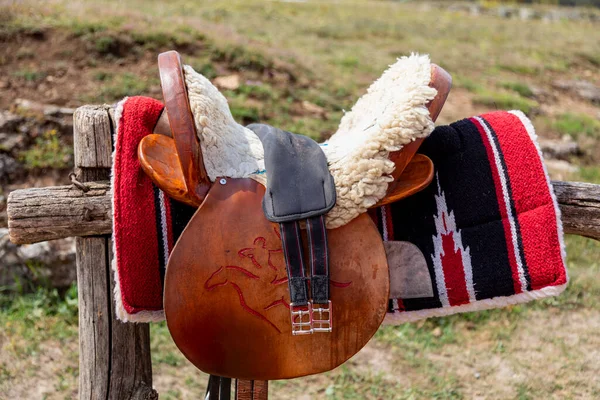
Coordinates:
(487,230)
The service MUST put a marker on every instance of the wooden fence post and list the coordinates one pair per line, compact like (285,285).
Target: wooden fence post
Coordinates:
(114,358)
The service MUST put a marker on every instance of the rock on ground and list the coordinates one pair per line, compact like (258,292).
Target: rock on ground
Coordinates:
(9,121)
(584,89)
(560,149)
(10,169)
(229,82)
(560,169)
(45,263)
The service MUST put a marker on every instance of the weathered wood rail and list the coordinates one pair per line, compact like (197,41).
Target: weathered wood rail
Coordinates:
(40,214)
(114,358)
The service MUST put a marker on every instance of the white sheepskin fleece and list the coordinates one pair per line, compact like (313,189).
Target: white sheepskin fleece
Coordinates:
(228,148)
(390,115)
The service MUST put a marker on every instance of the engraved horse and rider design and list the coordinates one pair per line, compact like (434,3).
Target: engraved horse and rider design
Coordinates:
(263,261)
(227,284)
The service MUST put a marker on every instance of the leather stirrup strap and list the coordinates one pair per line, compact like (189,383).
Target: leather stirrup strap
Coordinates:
(182,123)
(292,251)
(309,313)
(319,260)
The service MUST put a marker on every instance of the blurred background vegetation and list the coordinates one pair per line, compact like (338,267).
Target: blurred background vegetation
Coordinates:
(595,3)
(298,65)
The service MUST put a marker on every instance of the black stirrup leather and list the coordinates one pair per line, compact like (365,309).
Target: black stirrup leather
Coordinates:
(300,188)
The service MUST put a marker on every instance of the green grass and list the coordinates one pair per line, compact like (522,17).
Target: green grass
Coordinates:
(583,260)
(48,152)
(593,59)
(205,67)
(371,36)
(102,76)
(590,174)
(519,68)
(577,125)
(241,58)
(521,88)
(351,385)
(115,87)
(31,319)
(162,348)
(467,83)
(346,382)
(24,53)
(30,75)
(505,101)
(261,91)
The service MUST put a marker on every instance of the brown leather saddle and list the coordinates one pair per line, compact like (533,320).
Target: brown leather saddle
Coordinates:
(256,287)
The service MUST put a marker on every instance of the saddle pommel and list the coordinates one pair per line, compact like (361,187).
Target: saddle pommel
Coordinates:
(188,183)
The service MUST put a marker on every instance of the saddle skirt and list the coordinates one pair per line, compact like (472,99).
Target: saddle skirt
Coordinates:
(487,230)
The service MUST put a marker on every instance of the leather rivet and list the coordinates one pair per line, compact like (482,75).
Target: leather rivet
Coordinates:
(223,181)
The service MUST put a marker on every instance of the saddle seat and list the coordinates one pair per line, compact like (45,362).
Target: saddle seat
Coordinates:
(391,116)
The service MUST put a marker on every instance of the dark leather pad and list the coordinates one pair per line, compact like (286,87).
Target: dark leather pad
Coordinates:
(299,184)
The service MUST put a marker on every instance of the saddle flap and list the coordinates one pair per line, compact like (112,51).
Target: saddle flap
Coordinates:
(299,184)
(227,302)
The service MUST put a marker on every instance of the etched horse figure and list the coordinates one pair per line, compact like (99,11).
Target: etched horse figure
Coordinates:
(260,262)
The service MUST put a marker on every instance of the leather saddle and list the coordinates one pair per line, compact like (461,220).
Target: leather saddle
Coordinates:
(252,283)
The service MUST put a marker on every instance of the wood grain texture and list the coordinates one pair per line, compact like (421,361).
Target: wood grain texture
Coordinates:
(579,204)
(236,281)
(580,207)
(251,390)
(92,137)
(40,214)
(131,363)
(94,318)
(114,358)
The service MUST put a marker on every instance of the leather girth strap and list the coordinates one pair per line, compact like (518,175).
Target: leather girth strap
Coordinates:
(300,188)
(219,388)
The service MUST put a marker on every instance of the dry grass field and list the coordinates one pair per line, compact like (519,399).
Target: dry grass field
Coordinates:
(300,65)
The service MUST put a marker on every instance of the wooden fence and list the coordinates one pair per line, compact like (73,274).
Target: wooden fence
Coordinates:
(114,358)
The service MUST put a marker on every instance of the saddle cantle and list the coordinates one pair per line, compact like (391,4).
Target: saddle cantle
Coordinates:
(229,278)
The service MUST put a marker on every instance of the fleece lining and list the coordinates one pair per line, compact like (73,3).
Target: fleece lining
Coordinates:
(390,115)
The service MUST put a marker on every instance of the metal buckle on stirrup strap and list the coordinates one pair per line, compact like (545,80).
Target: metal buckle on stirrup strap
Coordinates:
(301,318)
(322,317)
